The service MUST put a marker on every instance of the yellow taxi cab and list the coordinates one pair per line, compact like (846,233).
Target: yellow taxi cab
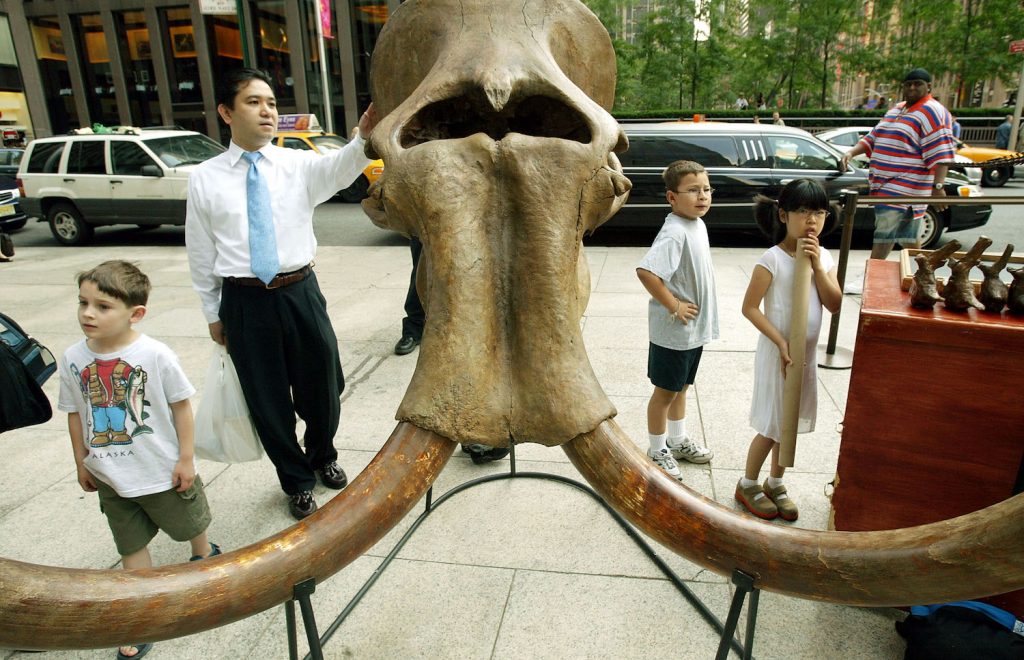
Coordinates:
(991,176)
(304,132)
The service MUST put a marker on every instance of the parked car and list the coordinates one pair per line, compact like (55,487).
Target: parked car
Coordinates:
(745,159)
(846,138)
(79,181)
(12,217)
(990,176)
(294,133)
(10,159)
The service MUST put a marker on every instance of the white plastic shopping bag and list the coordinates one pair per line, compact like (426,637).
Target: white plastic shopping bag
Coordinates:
(224,431)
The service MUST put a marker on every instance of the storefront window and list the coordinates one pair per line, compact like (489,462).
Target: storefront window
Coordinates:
(99,77)
(368,18)
(314,77)
(14,120)
(273,52)
(53,67)
(183,68)
(140,76)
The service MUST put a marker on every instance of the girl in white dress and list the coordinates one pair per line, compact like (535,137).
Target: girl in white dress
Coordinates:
(800,212)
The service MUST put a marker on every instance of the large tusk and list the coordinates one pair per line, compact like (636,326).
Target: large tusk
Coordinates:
(43,607)
(976,555)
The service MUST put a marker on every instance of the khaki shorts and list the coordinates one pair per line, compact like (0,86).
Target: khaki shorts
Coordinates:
(134,521)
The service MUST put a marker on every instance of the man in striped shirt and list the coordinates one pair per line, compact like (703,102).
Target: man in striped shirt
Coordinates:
(910,149)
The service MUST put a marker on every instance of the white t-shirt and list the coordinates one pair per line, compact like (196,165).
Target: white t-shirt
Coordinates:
(766,404)
(681,257)
(123,400)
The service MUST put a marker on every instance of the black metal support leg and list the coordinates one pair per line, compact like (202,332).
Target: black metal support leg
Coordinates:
(744,585)
(289,621)
(301,592)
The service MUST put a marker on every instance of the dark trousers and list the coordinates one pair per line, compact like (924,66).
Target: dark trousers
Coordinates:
(286,354)
(412,324)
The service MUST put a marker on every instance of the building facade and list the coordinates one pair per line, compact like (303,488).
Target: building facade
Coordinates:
(65,64)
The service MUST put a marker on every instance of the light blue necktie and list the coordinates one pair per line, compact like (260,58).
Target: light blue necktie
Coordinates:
(262,243)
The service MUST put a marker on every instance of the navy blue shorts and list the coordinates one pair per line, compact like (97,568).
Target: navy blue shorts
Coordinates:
(670,369)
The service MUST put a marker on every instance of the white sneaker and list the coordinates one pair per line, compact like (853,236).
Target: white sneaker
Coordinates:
(687,450)
(665,461)
(854,287)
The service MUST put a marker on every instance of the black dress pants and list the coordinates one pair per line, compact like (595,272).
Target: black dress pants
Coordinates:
(412,324)
(286,354)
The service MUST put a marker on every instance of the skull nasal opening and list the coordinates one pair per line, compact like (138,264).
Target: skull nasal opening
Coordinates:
(472,113)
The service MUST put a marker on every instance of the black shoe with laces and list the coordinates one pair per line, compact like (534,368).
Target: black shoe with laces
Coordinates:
(301,504)
(406,345)
(332,476)
(484,454)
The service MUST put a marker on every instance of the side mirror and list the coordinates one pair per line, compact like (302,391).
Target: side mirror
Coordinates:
(151,170)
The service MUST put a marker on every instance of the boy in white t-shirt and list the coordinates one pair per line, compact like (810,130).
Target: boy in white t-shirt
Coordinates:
(130,421)
(682,313)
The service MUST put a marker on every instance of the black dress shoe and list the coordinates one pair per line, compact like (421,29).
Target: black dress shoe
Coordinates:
(332,476)
(484,454)
(406,345)
(301,504)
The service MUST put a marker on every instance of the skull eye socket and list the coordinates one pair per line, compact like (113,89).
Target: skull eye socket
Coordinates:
(462,116)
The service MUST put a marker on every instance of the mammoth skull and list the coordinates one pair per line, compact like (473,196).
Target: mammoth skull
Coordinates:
(500,156)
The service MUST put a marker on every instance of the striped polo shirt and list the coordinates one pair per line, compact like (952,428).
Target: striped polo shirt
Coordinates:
(904,147)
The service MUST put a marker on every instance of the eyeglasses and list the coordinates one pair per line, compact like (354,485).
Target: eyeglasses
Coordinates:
(818,215)
(695,191)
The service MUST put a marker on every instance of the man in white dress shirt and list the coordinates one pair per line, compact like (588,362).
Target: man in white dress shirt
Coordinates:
(275,327)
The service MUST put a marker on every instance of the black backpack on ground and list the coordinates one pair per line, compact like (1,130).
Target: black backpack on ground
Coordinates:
(958,633)
(25,364)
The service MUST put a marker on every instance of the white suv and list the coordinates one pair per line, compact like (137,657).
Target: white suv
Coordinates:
(123,176)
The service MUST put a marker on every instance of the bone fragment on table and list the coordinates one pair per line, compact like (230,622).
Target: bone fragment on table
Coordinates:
(959,291)
(924,291)
(993,290)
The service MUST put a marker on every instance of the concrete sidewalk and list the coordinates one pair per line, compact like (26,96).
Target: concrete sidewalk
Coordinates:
(513,569)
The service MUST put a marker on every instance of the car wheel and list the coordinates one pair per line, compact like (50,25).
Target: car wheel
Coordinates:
(357,191)
(930,230)
(67,225)
(993,177)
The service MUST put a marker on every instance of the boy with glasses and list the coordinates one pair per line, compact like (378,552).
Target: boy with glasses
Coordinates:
(682,313)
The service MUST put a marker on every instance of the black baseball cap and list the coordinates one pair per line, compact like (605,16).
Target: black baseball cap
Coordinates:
(918,74)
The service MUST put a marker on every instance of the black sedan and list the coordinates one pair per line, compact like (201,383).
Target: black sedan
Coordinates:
(745,159)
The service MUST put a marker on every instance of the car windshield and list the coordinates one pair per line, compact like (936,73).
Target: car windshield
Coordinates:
(184,149)
(327,142)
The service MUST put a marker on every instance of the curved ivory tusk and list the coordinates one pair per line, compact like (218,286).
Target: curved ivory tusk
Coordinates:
(967,557)
(43,607)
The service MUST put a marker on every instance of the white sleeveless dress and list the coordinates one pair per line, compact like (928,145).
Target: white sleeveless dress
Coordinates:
(766,404)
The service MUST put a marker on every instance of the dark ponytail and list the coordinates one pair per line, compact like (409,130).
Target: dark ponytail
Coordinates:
(766,215)
(795,195)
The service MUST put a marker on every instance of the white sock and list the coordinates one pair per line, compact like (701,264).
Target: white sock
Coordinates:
(657,442)
(677,428)
(775,483)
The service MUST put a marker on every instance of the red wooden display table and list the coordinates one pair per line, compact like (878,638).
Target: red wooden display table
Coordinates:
(934,424)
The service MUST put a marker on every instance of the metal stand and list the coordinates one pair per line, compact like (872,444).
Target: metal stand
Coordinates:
(744,583)
(831,359)
(301,592)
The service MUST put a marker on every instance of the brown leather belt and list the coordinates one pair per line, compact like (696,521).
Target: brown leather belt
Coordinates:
(279,281)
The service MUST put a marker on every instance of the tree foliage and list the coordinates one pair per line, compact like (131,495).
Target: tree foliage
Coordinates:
(794,53)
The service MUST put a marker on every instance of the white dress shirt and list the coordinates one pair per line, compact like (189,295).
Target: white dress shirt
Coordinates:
(216,221)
